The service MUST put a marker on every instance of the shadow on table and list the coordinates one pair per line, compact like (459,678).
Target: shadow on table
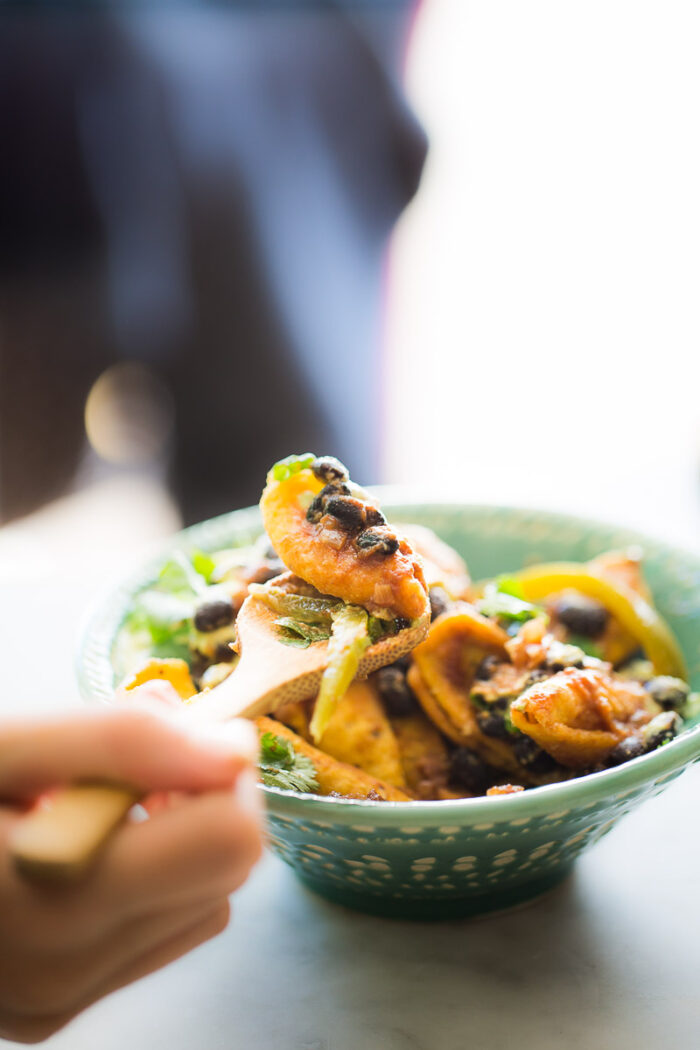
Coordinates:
(360,981)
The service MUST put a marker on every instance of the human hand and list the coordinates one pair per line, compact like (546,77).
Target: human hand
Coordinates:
(160,887)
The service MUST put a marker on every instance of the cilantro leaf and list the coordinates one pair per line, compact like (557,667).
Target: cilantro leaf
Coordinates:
(500,605)
(281,766)
(380,628)
(284,468)
(295,632)
(510,585)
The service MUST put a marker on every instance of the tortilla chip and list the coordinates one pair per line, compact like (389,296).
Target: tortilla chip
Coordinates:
(447,661)
(579,716)
(467,734)
(297,716)
(624,567)
(424,755)
(334,776)
(360,734)
(442,564)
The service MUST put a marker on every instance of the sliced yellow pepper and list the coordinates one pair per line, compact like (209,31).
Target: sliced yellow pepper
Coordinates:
(349,639)
(635,614)
(170,670)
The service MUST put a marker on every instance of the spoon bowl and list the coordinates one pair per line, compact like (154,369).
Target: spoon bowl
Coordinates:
(271,673)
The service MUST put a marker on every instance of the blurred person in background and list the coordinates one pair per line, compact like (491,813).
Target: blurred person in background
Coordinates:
(194,206)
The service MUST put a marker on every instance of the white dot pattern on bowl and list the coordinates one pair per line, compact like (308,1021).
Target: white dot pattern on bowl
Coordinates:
(436,877)
(393,867)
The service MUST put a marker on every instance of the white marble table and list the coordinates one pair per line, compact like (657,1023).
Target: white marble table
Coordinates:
(609,959)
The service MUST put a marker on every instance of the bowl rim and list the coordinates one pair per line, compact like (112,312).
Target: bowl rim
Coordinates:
(579,793)
(104,615)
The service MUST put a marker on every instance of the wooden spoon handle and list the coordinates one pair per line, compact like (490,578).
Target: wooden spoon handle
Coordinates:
(60,838)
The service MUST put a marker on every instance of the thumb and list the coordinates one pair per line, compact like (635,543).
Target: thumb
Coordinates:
(130,746)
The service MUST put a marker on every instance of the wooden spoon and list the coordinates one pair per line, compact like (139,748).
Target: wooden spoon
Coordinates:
(59,839)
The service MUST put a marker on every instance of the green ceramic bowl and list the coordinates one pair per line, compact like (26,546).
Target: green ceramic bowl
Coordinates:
(463,857)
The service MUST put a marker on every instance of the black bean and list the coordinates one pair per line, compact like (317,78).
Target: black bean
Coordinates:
(375,542)
(492,723)
(397,696)
(439,602)
(210,615)
(264,571)
(373,516)
(499,704)
(531,755)
(467,768)
(630,747)
(334,488)
(317,507)
(486,668)
(328,468)
(525,749)
(315,510)
(661,729)
(582,615)
(669,693)
(348,511)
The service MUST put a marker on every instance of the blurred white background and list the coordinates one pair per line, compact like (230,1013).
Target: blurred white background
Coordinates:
(544,329)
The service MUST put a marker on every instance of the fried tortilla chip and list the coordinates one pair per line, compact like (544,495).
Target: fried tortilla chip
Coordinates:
(467,734)
(625,567)
(297,716)
(447,661)
(333,776)
(360,734)
(424,756)
(441,563)
(579,716)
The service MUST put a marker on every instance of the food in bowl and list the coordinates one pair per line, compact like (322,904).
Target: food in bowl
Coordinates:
(431,859)
(540,676)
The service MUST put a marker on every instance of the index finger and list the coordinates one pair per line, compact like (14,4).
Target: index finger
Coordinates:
(129,746)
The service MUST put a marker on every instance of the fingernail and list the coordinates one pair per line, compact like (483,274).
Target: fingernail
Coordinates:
(157,695)
(237,737)
(248,794)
